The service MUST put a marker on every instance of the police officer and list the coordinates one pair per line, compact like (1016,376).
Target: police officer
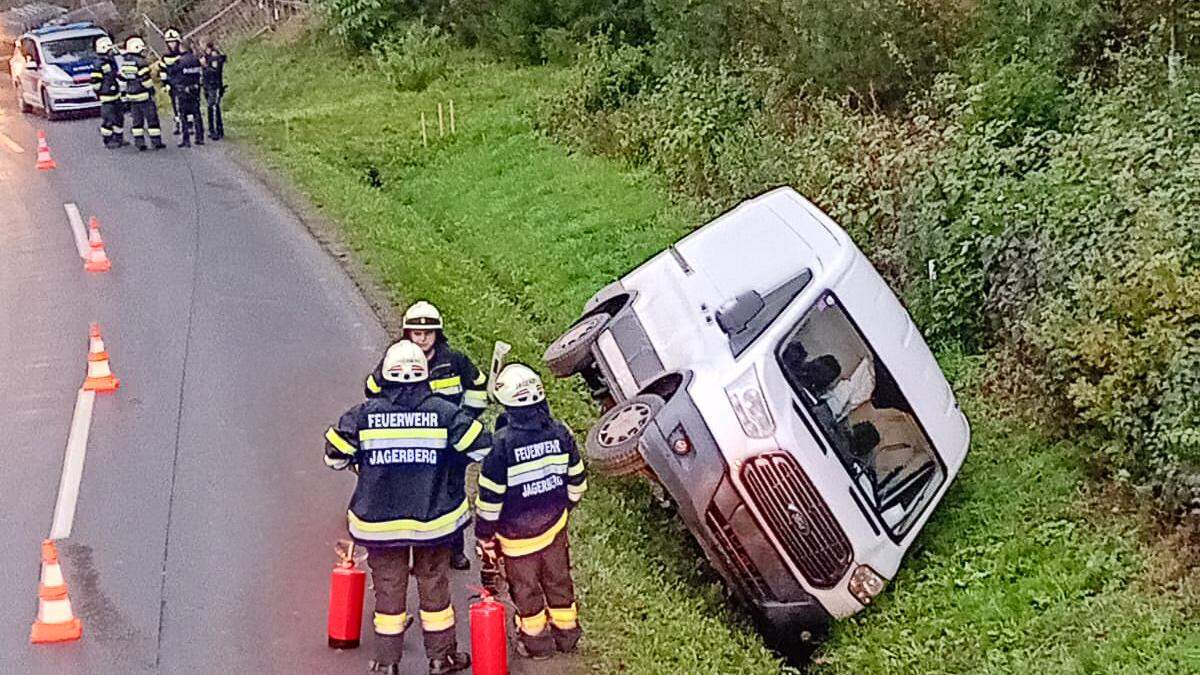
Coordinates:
(402,444)
(451,375)
(108,90)
(186,90)
(139,95)
(214,89)
(168,70)
(528,484)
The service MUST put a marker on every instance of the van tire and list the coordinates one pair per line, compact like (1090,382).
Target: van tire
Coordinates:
(48,109)
(612,444)
(572,351)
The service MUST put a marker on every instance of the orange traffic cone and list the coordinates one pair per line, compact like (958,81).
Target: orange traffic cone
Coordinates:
(97,258)
(96,351)
(99,375)
(44,161)
(55,622)
(94,239)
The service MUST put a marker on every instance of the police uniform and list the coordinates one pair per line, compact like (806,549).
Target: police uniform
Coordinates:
(527,487)
(139,94)
(402,444)
(108,89)
(186,88)
(453,377)
(214,90)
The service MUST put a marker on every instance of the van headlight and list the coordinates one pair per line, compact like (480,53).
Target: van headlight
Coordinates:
(750,405)
(865,584)
(59,82)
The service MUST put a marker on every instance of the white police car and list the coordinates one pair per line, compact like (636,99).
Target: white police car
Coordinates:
(51,68)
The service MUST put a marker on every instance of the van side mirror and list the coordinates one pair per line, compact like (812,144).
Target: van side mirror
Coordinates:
(736,315)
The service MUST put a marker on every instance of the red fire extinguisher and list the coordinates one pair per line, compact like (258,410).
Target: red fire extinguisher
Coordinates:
(489,641)
(347,586)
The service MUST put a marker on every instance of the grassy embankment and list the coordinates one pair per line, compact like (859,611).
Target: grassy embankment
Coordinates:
(510,234)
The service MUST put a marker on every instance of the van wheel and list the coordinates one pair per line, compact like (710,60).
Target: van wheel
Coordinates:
(572,351)
(612,444)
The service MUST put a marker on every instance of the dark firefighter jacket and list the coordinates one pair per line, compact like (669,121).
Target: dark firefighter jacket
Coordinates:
(135,73)
(104,79)
(529,482)
(451,376)
(168,67)
(403,445)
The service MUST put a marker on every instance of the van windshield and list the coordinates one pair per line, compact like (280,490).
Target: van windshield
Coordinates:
(859,409)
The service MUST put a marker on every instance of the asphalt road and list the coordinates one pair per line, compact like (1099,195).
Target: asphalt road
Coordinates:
(203,536)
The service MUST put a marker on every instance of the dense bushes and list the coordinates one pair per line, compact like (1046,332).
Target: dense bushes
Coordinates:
(1025,172)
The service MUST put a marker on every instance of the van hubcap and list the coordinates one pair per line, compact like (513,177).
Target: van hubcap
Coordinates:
(575,334)
(624,425)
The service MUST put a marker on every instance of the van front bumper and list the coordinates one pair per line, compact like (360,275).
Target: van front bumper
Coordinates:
(77,97)
(724,526)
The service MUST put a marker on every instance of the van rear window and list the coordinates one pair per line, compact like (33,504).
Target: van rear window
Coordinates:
(858,407)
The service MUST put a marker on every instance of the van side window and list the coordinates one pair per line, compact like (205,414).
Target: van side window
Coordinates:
(864,417)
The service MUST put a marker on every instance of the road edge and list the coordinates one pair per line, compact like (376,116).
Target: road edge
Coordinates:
(324,230)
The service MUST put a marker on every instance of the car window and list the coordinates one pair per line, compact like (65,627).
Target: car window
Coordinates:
(28,49)
(64,50)
(859,409)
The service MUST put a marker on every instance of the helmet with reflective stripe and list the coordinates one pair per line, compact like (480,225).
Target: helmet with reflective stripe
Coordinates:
(518,386)
(135,45)
(171,35)
(104,44)
(405,362)
(422,316)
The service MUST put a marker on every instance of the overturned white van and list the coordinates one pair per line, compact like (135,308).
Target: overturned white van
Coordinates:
(763,372)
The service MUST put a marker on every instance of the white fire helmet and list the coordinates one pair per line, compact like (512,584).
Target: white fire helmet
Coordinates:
(422,316)
(135,45)
(518,386)
(171,35)
(104,44)
(405,362)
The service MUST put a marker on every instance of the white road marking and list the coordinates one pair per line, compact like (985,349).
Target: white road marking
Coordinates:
(72,473)
(81,240)
(10,144)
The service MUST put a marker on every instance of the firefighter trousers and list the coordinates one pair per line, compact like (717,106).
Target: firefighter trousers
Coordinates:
(541,588)
(112,122)
(145,113)
(390,569)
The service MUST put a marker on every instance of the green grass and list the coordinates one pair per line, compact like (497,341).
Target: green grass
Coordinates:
(509,234)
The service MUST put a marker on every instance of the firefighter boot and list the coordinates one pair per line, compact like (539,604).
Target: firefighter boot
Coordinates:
(450,663)
(388,650)
(566,640)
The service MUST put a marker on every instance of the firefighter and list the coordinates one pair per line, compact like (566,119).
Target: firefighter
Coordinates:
(139,95)
(528,485)
(186,89)
(213,60)
(108,90)
(402,444)
(168,70)
(451,375)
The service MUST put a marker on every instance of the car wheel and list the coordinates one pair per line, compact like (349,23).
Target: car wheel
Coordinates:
(46,108)
(612,444)
(21,103)
(572,351)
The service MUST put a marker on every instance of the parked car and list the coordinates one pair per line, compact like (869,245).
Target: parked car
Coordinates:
(51,69)
(765,375)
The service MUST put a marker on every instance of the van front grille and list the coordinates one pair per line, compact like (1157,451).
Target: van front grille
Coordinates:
(793,510)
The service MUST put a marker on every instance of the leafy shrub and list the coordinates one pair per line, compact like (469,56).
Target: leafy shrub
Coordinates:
(412,57)
(359,24)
